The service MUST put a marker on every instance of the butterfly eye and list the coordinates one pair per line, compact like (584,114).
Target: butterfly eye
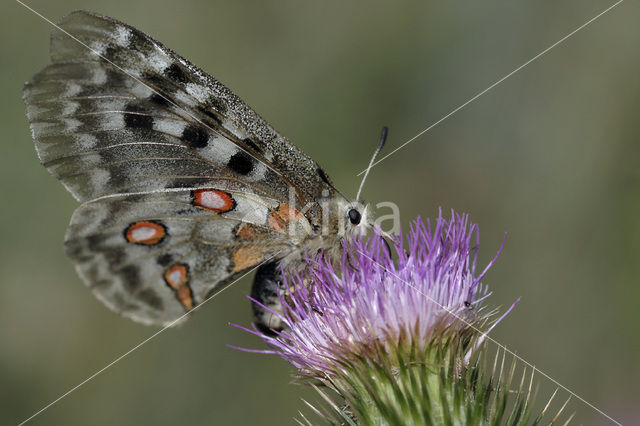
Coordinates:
(354,216)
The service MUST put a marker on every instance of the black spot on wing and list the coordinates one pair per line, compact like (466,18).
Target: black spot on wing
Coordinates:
(164,259)
(176,73)
(136,118)
(241,163)
(195,136)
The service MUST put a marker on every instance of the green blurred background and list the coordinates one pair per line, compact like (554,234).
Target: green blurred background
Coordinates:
(550,156)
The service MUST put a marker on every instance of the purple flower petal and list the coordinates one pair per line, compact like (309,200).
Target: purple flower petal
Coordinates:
(370,300)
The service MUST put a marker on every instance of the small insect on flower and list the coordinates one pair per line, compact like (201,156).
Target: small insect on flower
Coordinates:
(372,305)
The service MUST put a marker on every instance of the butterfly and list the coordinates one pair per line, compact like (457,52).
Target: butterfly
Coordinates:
(184,188)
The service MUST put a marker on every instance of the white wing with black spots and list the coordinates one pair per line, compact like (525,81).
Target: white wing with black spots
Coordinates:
(117,112)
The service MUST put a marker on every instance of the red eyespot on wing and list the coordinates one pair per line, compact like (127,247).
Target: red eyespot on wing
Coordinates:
(184,296)
(177,277)
(213,200)
(145,232)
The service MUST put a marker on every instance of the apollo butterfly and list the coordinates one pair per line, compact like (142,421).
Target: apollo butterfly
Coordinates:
(183,187)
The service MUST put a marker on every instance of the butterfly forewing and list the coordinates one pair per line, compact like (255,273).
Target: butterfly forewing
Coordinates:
(112,84)
(184,186)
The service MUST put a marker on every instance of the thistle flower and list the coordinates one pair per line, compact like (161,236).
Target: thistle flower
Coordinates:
(395,333)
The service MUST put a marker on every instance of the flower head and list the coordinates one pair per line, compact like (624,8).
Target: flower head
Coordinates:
(399,335)
(371,304)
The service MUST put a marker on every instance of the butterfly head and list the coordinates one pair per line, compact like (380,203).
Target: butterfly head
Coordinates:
(355,217)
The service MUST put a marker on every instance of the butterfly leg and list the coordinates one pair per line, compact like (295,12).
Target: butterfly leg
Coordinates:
(267,285)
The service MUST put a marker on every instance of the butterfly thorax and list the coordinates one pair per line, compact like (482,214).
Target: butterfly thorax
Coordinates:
(339,220)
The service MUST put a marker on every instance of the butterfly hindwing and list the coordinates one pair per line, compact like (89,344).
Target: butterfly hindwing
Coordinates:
(153,257)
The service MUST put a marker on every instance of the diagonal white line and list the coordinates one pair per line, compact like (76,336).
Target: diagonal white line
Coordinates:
(162,330)
(484,334)
(494,85)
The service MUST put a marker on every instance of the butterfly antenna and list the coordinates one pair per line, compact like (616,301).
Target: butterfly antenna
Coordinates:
(383,139)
